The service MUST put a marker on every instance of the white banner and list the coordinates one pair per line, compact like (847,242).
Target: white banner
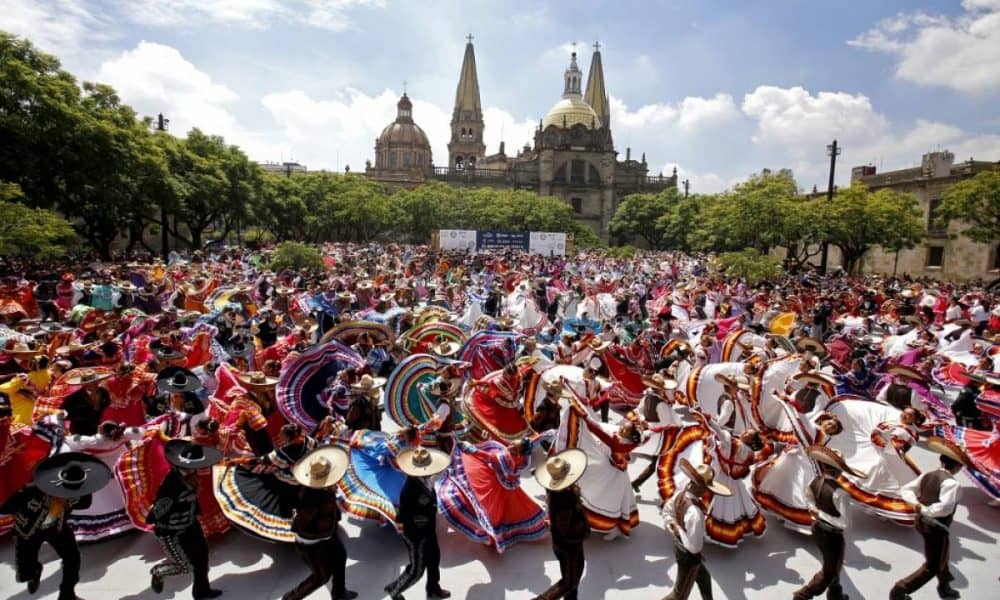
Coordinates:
(547,243)
(458,239)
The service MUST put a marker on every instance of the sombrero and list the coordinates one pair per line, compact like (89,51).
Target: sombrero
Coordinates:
(189,455)
(814,378)
(23,350)
(660,382)
(597,345)
(554,387)
(906,371)
(726,380)
(833,458)
(85,376)
(705,476)
(809,343)
(369,385)
(321,468)
(257,379)
(72,348)
(445,348)
(71,475)
(562,470)
(422,462)
(950,449)
(168,353)
(177,379)
(962,323)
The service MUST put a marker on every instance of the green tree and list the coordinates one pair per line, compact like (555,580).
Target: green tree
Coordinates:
(26,231)
(428,208)
(748,264)
(39,113)
(976,203)
(639,215)
(859,220)
(297,257)
(751,215)
(677,225)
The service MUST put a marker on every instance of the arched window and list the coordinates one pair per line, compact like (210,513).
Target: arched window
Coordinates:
(459,163)
(392,160)
(472,162)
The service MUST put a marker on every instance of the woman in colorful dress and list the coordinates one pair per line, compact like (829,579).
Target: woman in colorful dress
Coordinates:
(781,483)
(480,494)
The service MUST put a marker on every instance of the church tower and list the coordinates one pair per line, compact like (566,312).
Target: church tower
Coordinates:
(466,147)
(597,95)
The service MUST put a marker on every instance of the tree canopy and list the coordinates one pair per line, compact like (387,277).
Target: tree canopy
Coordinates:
(28,231)
(976,203)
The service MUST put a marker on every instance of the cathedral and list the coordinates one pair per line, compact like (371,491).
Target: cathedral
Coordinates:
(573,156)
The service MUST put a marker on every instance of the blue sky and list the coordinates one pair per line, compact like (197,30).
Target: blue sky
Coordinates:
(719,89)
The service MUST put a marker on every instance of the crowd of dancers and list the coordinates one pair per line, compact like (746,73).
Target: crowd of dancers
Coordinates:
(210,393)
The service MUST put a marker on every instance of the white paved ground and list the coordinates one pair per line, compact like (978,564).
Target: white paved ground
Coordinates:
(769,568)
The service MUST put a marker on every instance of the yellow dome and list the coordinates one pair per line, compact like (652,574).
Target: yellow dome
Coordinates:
(575,110)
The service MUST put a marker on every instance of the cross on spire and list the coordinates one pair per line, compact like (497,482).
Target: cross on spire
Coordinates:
(597,46)
(404,87)
(469,38)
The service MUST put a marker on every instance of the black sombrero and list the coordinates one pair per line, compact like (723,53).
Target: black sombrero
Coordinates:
(189,455)
(177,379)
(71,475)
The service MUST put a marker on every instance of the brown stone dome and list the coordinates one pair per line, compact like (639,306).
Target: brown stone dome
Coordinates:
(402,144)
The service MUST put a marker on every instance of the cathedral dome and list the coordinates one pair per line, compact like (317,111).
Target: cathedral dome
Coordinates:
(402,145)
(403,131)
(571,111)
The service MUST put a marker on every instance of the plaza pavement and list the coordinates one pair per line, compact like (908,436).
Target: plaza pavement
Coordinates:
(767,568)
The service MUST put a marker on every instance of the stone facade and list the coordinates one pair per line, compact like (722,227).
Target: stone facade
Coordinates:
(943,254)
(573,157)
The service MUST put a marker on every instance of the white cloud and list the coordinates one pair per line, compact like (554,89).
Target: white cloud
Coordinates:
(702,182)
(154,78)
(59,27)
(332,15)
(696,112)
(961,53)
(795,126)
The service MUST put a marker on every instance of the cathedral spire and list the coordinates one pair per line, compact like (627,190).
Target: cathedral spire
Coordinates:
(466,146)
(597,95)
(467,93)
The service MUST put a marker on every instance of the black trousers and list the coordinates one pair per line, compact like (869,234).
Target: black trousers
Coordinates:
(936,549)
(830,542)
(425,554)
(326,560)
(187,552)
(64,543)
(691,570)
(571,564)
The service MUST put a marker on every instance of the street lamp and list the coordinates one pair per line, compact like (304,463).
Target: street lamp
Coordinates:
(161,125)
(832,150)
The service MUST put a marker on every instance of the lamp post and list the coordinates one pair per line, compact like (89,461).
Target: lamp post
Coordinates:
(832,150)
(161,125)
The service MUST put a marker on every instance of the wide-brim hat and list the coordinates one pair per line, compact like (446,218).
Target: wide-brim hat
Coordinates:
(810,343)
(447,348)
(814,378)
(907,372)
(726,380)
(284,291)
(168,353)
(554,387)
(257,379)
(422,462)
(962,323)
(71,475)
(833,458)
(189,455)
(321,468)
(23,350)
(85,376)
(562,470)
(368,383)
(660,382)
(177,379)
(704,475)
(597,345)
(950,449)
